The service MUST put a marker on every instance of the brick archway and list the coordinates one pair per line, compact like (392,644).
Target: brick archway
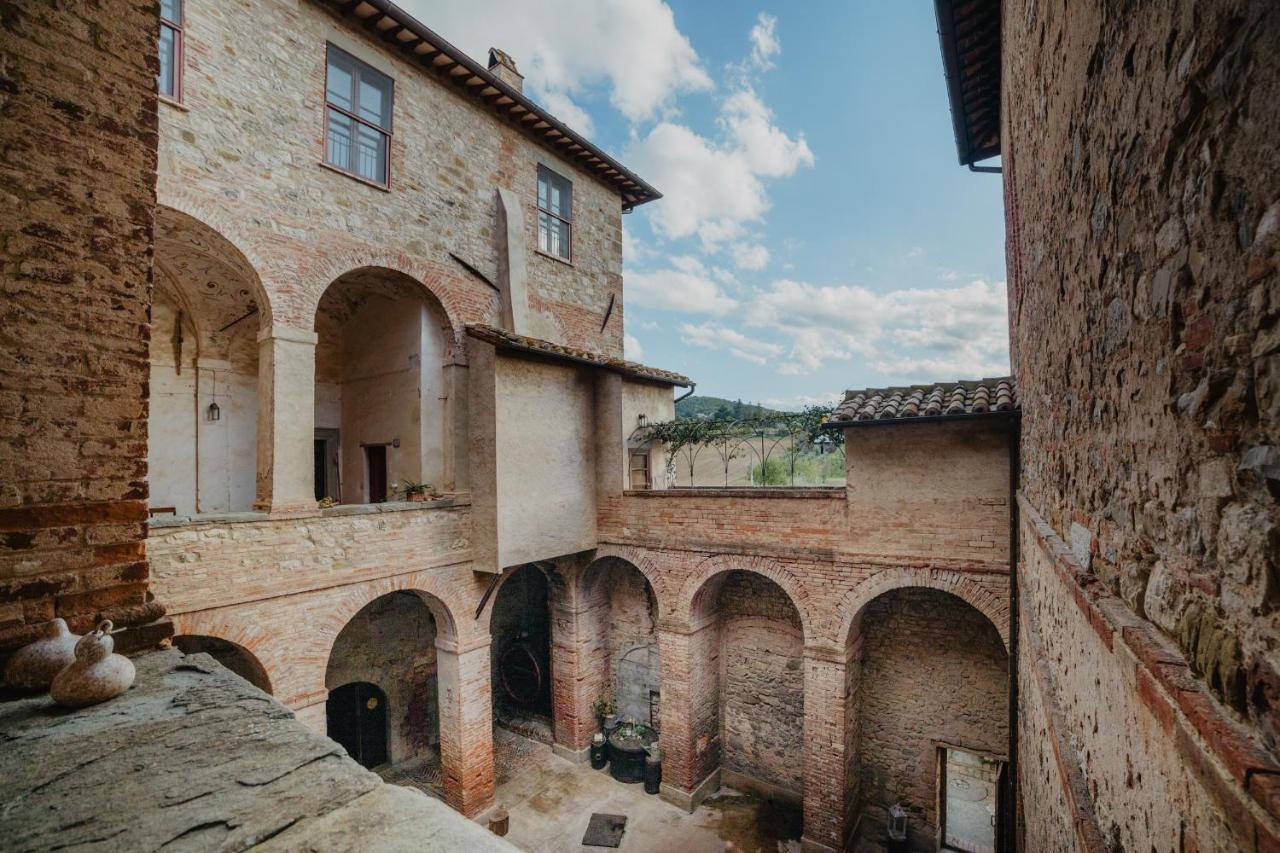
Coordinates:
(356,597)
(698,583)
(258,642)
(641,562)
(225,228)
(956,583)
(438,285)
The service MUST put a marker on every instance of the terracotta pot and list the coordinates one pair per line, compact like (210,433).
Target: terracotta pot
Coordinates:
(416,496)
(96,675)
(34,666)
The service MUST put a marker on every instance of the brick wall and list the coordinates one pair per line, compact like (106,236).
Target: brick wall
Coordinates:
(1143,198)
(78,125)
(933,671)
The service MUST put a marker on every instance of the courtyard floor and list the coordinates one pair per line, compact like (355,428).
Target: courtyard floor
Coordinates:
(550,800)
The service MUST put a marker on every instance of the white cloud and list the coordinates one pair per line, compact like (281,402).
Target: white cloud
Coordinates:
(631,348)
(713,187)
(907,335)
(799,401)
(566,47)
(685,286)
(750,256)
(767,149)
(764,41)
(717,337)
(564,108)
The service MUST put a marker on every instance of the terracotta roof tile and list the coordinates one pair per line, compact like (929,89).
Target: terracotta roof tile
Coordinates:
(951,399)
(502,339)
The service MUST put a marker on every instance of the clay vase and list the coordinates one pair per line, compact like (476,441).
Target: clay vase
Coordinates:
(34,665)
(98,674)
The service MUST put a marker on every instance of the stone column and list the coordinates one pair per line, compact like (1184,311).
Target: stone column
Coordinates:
(690,736)
(825,712)
(286,419)
(466,725)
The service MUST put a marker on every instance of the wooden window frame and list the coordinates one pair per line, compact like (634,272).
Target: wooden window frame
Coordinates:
(568,223)
(359,63)
(179,54)
(647,468)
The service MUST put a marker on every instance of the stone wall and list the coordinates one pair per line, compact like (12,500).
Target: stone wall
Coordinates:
(761,682)
(245,156)
(1143,205)
(934,672)
(391,643)
(78,125)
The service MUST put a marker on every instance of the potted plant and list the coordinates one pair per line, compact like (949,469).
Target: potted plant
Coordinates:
(606,712)
(415,491)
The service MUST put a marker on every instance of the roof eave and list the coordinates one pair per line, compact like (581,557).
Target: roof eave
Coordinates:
(1006,414)
(633,190)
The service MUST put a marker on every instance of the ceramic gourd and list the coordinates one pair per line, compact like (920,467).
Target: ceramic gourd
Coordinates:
(34,665)
(96,675)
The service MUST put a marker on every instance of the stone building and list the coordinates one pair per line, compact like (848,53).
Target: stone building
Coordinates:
(314,366)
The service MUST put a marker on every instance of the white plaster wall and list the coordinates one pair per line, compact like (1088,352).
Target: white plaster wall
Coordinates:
(545,457)
(196,465)
(656,403)
(228,450)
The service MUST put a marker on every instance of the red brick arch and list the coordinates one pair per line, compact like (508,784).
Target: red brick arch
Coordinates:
(224,226)
(355,597)
(641,562)
(441,286)
(697,584)
(962,586)
(258,642)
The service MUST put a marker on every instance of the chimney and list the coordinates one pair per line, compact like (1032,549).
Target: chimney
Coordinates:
(502,66)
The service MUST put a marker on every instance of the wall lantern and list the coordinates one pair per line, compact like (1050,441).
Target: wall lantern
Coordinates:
(897,823)
(214,412)
(644,420)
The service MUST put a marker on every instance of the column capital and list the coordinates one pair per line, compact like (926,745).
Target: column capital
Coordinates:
(288,333)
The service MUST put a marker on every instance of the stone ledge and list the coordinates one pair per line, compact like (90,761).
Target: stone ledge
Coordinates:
(197,758)
(1167,686)
(339,511)
(793,492)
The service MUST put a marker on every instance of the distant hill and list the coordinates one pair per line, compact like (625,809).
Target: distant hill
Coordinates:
(700,406)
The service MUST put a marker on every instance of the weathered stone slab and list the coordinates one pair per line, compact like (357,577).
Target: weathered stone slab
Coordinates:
(389,819)
(191,758)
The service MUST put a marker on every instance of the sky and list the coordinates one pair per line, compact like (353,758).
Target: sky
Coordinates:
(816,232)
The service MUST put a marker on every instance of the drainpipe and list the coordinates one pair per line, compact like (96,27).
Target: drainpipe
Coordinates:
(1009,818)
(693,386)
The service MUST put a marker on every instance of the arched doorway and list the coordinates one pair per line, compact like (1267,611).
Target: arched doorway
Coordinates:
(520,626)
(749,637)
(379,422)
(927,718)
(356,717)
(620,610)
(202,420)
(233,656)
(389,645)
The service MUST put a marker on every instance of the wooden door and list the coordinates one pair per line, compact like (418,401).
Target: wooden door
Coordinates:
(356,716)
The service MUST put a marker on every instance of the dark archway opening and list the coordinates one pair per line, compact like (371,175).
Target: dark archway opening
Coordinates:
(521,653)
(231,655)
(356,717)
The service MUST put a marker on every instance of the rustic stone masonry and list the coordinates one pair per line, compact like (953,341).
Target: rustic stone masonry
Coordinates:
(1143,205)
(78,183)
